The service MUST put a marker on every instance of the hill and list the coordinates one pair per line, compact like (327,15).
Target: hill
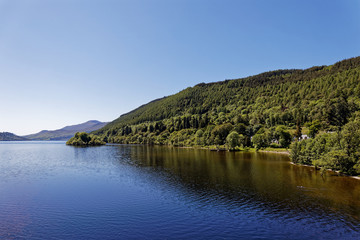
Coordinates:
(270,104)
(67,132)
(6,136)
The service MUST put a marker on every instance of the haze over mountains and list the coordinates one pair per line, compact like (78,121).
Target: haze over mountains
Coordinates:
(66,132)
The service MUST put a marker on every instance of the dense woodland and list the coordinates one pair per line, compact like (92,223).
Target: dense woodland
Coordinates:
(270,109)
(338,150)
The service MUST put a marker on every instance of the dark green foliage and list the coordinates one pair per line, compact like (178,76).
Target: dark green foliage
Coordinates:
(282,136)
(338,111)
(84,139)
(337,150)
(260,140)
(220,132)
(314,128)
(234,140)
(298,131)
(321,98)
(295,153)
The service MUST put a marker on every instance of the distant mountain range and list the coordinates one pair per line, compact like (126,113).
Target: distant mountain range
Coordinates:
(6,136)
(66,132)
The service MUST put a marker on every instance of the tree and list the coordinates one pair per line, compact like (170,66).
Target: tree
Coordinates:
(298,132)
(259,141)
(350,138)
(314,128)
(234,140)
(295,152)
(282,136)
(338,160)
(240,128)
(338,111)
(84,137)
(199,139)
(285,139)
(220,132)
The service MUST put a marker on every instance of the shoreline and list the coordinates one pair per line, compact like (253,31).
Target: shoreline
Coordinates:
(280,151)
(215,149)
(328,170)
(241,150)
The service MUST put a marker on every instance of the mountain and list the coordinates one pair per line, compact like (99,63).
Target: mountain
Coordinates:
(270,104)
(6,136)
(67,132)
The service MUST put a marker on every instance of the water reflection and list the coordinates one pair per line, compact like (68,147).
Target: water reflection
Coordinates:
(263,181)
(52,191)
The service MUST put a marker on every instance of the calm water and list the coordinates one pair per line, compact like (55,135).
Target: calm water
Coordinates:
(52,191)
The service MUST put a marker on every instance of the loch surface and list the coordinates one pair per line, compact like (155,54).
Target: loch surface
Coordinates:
(52,191)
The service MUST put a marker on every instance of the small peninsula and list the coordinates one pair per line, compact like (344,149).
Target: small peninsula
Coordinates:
(83,139)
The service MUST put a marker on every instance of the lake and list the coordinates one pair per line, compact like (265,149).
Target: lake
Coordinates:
(52,191)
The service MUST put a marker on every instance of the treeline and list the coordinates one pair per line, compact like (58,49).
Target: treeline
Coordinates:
(201,130)
(272,98)
(271,109)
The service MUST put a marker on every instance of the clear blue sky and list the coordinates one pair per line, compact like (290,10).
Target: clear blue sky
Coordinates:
(64,62)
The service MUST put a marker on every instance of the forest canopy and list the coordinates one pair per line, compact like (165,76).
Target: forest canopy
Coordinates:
(326,95)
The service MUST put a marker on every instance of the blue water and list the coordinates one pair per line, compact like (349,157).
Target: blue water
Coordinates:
(52,191)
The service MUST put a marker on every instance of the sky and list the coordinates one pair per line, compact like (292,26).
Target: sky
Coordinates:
(64,62)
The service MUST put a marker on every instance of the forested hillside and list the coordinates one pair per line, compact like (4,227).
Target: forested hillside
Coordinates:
(267,109)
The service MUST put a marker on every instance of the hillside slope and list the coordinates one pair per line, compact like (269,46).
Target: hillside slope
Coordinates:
(6,136)
(67,132)
(327,95)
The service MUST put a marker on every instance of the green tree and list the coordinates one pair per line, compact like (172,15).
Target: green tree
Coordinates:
(296,152)
(337,160)
(298,131)
(199,137)
(282,136)
(220,132)
(285,139)
(350,139)
(84,137)
(259,141)
(314,128)
(338,111)
(234,140)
